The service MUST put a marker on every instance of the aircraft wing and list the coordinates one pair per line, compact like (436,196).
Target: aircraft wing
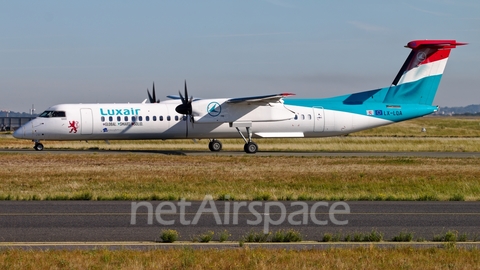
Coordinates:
(265,98)
(175,97)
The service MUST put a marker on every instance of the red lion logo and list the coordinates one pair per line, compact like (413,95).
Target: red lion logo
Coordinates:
(73,126)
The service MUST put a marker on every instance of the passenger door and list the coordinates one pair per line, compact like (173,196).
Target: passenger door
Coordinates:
(86,121)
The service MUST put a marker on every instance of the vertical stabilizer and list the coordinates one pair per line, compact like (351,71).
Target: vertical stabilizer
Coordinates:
(418,79)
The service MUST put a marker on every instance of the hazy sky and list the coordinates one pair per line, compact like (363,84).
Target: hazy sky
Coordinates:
(55,52)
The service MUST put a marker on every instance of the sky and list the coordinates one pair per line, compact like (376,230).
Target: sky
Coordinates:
(54,52)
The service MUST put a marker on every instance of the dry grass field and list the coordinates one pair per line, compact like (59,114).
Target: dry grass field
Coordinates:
(244,258)
(93,176)
(250,177)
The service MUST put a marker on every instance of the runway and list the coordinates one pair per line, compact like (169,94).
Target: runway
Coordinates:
(112,221)
(260,153)
(68,224)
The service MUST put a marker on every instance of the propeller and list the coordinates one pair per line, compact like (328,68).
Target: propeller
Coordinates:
(186,108)
(153,98)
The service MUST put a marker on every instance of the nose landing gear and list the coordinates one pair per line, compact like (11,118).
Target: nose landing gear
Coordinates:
(38,146)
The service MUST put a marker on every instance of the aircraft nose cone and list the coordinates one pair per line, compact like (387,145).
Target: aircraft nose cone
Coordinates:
(19,133)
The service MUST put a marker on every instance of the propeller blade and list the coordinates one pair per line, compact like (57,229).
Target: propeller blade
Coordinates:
(186,92)
(153,96)
(186,126)
(181,97)
(150,98)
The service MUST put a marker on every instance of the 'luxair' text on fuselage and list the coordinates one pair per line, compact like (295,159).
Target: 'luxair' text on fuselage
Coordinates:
(130,111)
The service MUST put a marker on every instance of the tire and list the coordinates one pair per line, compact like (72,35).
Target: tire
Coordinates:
(250,148)
(38,147)
(215,146)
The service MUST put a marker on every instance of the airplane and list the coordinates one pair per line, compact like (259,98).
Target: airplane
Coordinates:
(409,96)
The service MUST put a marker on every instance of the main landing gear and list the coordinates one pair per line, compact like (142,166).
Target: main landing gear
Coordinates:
(38,146)
(250,147)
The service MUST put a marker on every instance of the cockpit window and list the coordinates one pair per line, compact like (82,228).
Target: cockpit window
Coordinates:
(45,114)
(58,114)
(53,114)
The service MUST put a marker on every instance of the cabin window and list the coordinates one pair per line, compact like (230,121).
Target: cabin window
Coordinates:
(103,118)
(140,118)
(119,118)
(184,118)
(154,118)
(110,118)
(296,117)
(176,117)
(161,118)
(309,117)
(168,118)
(147,118)
(303,117)
(134,118)
(126,118)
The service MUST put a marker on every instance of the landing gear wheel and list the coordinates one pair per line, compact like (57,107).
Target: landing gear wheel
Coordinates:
(215,145)
(38,147)
(250,148)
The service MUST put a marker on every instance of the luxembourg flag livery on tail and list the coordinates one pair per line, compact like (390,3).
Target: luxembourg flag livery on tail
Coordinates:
(409,96)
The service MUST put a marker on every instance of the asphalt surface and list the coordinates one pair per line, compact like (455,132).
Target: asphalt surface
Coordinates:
(106,221)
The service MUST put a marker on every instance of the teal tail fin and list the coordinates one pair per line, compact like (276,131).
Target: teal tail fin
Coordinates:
(418,79)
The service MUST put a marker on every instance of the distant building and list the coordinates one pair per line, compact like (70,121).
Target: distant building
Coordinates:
(12,123)
(468,110)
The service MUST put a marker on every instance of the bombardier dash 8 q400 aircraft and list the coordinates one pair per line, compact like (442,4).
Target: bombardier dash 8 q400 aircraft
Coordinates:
(410,95)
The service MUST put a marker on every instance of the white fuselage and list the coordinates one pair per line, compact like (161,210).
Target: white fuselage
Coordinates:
(130,121)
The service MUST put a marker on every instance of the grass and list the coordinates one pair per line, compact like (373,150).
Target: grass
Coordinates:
(450,236)
(283,236)
(91,176)
(223,236)
(256,237)
(329,144)
(286,236)
(403,237)
(204,237)
(169,236)
(373,236)
(244,258)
